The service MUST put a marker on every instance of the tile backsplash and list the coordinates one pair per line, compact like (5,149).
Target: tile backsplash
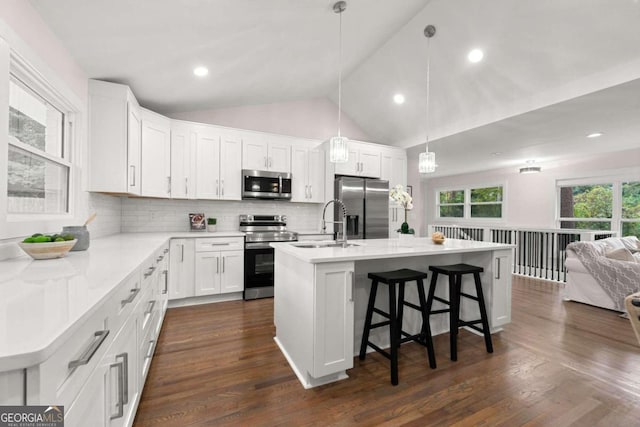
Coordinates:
(109,212)
(148,215)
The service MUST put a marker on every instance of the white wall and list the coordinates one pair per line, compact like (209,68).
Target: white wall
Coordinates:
(530,199)
(312,118)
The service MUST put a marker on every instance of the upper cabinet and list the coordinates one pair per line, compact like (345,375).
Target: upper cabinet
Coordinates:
(307,174)
(364,160)
(115,131)
(183,156)
(218,163)
(394,167)
(156,155)
(266,153)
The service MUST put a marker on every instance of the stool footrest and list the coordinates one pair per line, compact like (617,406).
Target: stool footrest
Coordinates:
(473,297)
(381,313)
(415,307)
(444,310)
(379,350)
(379,324)
(442,300)
(474,327)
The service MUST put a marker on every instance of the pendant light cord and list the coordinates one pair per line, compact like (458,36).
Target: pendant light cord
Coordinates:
(340,74)
(428,88)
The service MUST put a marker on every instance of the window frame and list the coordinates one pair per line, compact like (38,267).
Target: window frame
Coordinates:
(467,204)
(43,82)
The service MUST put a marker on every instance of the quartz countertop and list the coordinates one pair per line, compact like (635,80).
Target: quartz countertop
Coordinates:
(383,248)
(44,301)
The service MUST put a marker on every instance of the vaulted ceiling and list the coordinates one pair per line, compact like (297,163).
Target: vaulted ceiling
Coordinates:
(551,72)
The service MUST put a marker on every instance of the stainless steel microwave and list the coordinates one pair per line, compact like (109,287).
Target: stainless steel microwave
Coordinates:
(266,185)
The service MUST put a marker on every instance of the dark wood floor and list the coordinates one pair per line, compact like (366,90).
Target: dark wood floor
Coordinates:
(558,363)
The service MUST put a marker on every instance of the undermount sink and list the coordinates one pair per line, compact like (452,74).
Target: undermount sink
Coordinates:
(325,245)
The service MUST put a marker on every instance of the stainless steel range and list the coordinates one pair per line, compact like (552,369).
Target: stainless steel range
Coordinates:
(260,230)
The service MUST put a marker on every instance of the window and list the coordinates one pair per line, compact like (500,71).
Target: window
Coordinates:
(38,169)
(586,207)
(613,205)
(630,222)
(480,203)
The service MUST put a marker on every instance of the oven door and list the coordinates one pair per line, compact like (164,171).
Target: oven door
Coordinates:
(258,270)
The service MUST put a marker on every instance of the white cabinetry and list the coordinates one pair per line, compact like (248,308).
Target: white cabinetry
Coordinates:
(364,160)
(266,153)
(307,171)
(156,155)
(183,155)
(218,164)
(333,318)
(499,298)
(394,167)
(219,265)
(181,270)
(115,128)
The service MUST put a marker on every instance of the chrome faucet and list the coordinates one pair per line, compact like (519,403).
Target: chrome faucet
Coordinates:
(343,222)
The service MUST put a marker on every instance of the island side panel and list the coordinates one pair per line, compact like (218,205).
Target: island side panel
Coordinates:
(293,311)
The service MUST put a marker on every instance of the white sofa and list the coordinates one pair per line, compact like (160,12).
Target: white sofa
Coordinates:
(581,284)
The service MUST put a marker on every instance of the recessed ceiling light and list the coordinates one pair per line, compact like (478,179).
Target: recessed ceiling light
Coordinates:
(594,135)
(200,71)
(398,98)
(496,153)
(475,55)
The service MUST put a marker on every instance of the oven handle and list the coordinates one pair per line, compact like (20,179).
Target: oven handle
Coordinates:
(257,245)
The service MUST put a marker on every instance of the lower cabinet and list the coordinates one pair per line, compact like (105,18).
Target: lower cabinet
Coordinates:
(182,268)
(219,272)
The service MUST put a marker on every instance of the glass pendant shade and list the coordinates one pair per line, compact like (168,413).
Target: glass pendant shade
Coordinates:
(427,162)
(338,150)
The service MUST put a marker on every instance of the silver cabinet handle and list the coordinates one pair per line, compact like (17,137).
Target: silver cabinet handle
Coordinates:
(166,281)
(222,187)
(150,350)
(220,244)
(125,374)
(265,163)
(186,186)
(497,276)
(270,161)
(311,191)
(133,175)
(166,251)
(132,295)
(151,305)
(168,185)
(160,258)
(223,264)
(121,380)
(182,250)
(217,187)
(149,272)
(350,286)
(218,265)
(306,191)
(98,339)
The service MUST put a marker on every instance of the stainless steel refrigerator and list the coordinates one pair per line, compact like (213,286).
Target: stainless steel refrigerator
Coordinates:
(367,203)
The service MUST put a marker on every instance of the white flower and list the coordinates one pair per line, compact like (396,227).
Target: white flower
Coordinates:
(401,197)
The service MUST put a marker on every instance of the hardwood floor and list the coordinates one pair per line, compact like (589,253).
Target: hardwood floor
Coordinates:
(558,363)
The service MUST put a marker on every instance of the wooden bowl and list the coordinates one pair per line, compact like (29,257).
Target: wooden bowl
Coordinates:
(47,250)
(438,241)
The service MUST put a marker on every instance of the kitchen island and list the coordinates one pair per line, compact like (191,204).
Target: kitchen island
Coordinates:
(321,295)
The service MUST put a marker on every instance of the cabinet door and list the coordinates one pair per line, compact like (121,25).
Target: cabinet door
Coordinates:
(396,218)
(299,173)
(352,165)
(208,267)
(279,156)
(122,384)
(316,175)
(230,167)
(134,134)
(333,322)
(91,403)
(182,158)
(207,164)
(156,156)
(369,163)
(254,153)
(232,277)
(181,269)
(499,301)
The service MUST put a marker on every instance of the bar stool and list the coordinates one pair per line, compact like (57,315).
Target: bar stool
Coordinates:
(455,273)
(396,310)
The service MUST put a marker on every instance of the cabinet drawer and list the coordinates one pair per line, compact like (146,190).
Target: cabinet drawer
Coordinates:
(220,244)
(126,298)
(63,374)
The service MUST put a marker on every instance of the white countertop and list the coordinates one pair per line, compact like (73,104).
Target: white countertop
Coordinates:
(44,301)
(384,248)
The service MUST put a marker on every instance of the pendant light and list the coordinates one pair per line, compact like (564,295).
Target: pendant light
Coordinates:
(338,150)
(427,160)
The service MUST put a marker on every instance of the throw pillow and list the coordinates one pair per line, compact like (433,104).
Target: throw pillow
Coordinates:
(621,254)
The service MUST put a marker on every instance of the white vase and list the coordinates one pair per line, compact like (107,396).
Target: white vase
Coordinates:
(405,239)
(211,228)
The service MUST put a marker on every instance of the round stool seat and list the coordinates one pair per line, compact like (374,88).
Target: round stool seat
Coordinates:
(402,275)
(456,269)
